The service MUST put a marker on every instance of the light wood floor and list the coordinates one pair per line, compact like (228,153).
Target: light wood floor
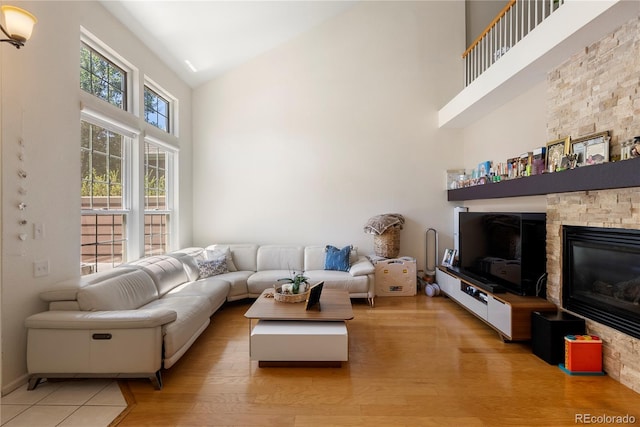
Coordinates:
(414,361)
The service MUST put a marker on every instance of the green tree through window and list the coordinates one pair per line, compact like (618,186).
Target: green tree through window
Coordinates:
(104,211)
(156,109)
(157,214)
(102,78)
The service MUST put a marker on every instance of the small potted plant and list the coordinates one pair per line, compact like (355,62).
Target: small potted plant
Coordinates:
(298,283)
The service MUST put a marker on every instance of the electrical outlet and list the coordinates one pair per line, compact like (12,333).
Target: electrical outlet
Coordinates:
(41,268)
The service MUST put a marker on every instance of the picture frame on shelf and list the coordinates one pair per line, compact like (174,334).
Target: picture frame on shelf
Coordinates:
(597,150)
(578,148)
(449,257)
(591,149)
(512,167)
(556,150)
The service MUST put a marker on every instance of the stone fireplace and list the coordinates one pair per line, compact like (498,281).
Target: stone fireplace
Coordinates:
(597,90)
(601,275)
(616,209)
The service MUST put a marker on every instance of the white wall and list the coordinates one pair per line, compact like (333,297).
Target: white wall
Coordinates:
(479,14)
(40,103)
(307,142)
(517,127)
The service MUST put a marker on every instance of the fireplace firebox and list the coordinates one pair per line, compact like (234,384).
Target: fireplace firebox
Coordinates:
(601,276)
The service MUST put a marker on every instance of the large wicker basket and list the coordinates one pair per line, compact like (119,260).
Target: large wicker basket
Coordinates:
(387,244)
(280,297)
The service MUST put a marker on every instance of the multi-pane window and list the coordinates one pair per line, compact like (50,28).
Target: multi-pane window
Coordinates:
(104,212)
(156,109)
(102,78)
(126,175)
(156,202)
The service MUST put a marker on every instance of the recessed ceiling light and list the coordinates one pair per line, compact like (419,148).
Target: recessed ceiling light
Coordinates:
(190,65)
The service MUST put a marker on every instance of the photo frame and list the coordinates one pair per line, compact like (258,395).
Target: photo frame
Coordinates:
(591,149)
(556,150)
(314,296)
(596,148)
(449,257)
(579,149)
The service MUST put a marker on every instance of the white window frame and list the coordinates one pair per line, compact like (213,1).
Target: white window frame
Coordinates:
(132,77)
(131,124)
(171,175)
(167,141)
(130,138)
(173,105)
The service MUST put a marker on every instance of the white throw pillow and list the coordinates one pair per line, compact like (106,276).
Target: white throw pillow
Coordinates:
(222,250)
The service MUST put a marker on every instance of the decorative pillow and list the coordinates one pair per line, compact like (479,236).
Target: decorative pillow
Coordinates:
(212,267)
(222,250)
(337,259)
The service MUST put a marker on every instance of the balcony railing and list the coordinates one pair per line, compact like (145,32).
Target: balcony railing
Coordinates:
(511,25)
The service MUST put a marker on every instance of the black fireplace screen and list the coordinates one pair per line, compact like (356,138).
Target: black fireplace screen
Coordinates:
(601,276)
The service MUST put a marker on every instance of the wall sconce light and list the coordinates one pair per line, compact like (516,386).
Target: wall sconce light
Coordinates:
(19,25)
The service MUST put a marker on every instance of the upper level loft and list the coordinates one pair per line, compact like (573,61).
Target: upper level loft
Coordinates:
(525,41)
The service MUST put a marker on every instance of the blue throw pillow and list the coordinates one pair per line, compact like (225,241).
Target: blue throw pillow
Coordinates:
(337,259)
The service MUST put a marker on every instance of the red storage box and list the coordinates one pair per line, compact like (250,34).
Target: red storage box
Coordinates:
(583,353)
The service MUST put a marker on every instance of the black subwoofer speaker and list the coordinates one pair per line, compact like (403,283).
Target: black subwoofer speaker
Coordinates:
(548,330)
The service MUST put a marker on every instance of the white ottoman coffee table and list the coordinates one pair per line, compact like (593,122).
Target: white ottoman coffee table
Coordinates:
(288,335)
(296,341)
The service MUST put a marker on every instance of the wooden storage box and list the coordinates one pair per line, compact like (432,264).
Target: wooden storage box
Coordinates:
(396,277)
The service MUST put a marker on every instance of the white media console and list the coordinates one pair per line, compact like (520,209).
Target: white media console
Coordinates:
(508,314)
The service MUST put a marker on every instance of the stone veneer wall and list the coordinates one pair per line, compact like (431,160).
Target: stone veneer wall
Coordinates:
(605,208)
(598,89)
(595,90)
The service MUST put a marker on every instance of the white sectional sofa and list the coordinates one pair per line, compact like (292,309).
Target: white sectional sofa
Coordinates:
(259,267)
(138,318)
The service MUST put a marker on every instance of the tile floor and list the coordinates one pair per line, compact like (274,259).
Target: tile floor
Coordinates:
(86,403)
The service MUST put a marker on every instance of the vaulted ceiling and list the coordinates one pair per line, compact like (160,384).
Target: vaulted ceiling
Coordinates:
(215,36)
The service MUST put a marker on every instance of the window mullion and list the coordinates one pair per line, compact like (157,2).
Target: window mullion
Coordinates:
(135,198)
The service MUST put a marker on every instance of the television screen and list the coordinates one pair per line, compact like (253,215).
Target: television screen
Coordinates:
(504,248)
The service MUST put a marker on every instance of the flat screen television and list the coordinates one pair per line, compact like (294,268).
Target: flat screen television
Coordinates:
(504,248)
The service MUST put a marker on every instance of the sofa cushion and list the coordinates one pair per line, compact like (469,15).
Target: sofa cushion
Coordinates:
(242,255)
(192,312)
(261,280)
(166,271)
(212,267)
(67,290)
(280,257)
(339,280)
(238,283)
(212,287)
(337,259)
(190,264)
(362,267)
(123,292)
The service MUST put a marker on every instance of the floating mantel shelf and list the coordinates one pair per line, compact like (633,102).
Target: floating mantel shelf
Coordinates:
(620,174)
